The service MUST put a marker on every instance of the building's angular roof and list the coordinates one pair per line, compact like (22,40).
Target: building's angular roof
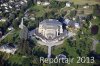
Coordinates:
(50,23)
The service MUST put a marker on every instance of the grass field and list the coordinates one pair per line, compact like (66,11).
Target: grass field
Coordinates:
(40,10)
(98,48)
(82,2)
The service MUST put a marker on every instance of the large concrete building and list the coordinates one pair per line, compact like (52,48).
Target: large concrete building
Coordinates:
(50,28)
(51,33)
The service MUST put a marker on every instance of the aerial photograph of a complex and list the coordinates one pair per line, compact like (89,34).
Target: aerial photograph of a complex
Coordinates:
(49,32)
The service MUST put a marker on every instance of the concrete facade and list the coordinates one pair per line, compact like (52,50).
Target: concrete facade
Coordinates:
(50,28)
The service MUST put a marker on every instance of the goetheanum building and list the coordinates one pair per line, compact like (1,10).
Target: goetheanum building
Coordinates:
(50,30)
(50,33)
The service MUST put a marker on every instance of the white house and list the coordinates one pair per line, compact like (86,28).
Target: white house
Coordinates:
(43,3)
(77,25)
(10,28)
(8,48)
(71,23)
(11,1)
(46,3)
(94,17)
(85,6)
(68,4)
(2,20)
(22,3)
(66,21)
(10,7)
(6,7)
(25,1)
(6,11)
(38,2)
(32,18)
(4,4)
(74,18)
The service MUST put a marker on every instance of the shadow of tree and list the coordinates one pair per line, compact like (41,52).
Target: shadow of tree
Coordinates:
(96,57)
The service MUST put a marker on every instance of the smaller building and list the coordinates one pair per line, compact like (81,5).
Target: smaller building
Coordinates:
(8,48)
(68,4)
(43,3)
(86,6)
(10,7)
(10,28)
(2,19)
(46,3)
(72,27)
(77,25)
(4,4)
(30,16)
(38,2)
(71,24)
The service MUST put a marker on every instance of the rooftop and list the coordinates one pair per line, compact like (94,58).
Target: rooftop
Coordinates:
(50,23)
(8,48)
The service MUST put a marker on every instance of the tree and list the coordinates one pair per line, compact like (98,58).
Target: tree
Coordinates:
(24,47)
(96,10)
(24,44)
(15,24)
(57,4)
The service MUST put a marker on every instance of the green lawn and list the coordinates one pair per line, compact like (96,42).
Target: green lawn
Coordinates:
(96,21)
(82,2)
(39,10)
(2,23)
(10,38)
(41,47)
(98,48)
(70,50)
(19,60)
(16,59)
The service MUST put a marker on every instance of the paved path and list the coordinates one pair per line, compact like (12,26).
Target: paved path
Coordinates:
(49,51)
(50,45)
(94,44)
(3,37)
